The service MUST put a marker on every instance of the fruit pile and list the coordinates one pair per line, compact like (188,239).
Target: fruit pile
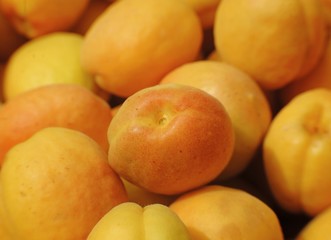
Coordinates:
(167,119)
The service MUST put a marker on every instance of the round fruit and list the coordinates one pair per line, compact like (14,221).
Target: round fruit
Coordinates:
(297,152)
(170,138)
(242,98)
(62,105)
(57,185)
(133,44)
(263,38)
(131,221)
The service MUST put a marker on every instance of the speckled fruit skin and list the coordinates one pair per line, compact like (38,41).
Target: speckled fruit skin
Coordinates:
(170,138)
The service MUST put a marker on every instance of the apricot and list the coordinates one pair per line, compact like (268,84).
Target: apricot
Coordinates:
(131,221)
(50,59)
(39,17)
(297,152)
(216,212)
(317,228)
(275,42)
(170,138)
(133,44)
(57,185)
(241,96)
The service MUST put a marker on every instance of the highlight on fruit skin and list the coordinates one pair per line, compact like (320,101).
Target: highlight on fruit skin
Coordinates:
(170,138)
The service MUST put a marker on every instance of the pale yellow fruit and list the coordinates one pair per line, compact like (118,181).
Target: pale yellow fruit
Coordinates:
(49,59)
(130,221)
(34,18)
(297,152)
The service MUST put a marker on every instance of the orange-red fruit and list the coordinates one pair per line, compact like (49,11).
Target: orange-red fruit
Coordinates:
(170,138)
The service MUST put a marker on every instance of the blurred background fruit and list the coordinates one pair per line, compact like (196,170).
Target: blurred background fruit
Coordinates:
(296,153)
(206,10)
(2,71)
(34,18)
(10,39)
(243,99)
(275,42)
(320,76)
(317,228)
(92,11)
(216,212)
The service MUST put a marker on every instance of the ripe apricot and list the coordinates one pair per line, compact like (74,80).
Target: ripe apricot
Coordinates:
(170,138)
(132,44)
(50,59)
(132,221)
(57,185)
(297,152)
(216,212)
(273,41)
